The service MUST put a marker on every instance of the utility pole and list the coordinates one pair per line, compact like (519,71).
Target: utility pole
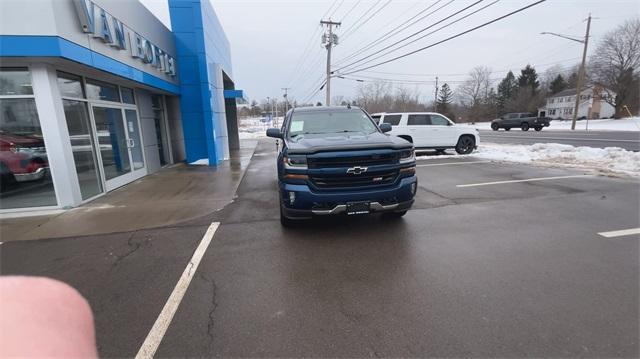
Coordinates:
(329,39)
(581,72)
(435,101)
(286,100)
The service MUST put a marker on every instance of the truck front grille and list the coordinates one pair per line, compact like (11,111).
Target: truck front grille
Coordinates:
(368,160)
(350,180)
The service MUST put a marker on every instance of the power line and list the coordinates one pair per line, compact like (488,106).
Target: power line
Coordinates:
(350,10)
(395,30)
(360,18)
(336,9)
(430,33)
(449,38)
(410,36)
(346,35)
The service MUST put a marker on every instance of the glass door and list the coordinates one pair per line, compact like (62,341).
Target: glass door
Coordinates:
(120,147)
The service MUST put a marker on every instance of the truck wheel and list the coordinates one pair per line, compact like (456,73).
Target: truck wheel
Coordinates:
(507,128)
(7,180)
(495,126)
(284,221)
(538,128)
(465,145)
(391,215)
(524,126)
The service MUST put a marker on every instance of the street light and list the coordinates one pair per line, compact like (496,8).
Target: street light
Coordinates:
(582,66)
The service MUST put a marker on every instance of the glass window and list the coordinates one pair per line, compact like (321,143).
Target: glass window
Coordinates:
(376,118)
(98,90)
(419,120)
(336,121)
(393,120)
(438,120)
(70,85)
(25,180)
(127,95)
(112,141)
(82,145)
(15,81)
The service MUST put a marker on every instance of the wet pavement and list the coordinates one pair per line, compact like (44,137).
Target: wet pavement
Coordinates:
(506,270)
(174,194)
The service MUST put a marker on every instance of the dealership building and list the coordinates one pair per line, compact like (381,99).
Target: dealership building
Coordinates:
(95,94)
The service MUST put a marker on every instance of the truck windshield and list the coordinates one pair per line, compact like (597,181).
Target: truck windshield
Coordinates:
(330,122)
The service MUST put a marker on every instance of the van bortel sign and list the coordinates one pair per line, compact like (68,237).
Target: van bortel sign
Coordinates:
(102,25)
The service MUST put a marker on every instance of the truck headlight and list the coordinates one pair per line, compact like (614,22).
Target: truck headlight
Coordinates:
(297,162)
(407,156)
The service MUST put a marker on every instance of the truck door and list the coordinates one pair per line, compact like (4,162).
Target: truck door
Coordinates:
(442,131)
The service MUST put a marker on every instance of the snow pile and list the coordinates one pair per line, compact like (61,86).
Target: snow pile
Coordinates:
(623,124)
(607,160)
(200,162)
(255,127)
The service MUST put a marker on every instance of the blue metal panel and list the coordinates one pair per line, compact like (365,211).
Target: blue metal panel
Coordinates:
(233,94)
(200,45)
(54,46)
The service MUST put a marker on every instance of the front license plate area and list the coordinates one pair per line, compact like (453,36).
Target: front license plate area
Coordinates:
(358,208)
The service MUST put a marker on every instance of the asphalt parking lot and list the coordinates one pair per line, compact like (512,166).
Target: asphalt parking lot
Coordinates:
(495,260)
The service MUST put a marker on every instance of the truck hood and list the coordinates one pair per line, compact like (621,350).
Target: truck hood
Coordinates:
(313,143)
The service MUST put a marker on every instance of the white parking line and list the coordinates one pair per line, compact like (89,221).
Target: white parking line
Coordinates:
(624,232)
(452,163)
(159,328)
(523,180)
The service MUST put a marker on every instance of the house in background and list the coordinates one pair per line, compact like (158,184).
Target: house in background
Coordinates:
(593,104)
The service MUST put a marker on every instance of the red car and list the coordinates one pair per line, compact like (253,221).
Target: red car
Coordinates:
(22,158)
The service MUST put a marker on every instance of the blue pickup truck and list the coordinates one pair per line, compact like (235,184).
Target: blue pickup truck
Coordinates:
(338,161)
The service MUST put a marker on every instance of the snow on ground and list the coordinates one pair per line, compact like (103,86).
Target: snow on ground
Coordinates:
(251,128)
(623,124)
(200,162)
(606,160)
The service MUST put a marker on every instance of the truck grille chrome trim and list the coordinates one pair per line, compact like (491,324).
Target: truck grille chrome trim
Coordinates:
(341,208)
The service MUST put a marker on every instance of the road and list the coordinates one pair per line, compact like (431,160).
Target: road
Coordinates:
(600,139)
(476,269)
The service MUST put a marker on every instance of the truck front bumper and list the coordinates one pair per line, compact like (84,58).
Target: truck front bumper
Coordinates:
(308,203)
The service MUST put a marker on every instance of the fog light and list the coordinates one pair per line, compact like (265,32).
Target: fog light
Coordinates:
(292,197)
(414,188)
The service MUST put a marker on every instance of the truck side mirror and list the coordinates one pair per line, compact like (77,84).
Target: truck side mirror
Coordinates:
(274,132)
(385,127)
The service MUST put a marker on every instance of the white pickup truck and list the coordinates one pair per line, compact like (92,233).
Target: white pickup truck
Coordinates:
(430,131)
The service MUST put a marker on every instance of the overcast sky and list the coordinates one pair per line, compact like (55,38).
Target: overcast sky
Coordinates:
(268,39)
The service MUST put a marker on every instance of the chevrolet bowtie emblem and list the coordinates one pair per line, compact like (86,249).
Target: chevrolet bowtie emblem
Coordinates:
(357,170)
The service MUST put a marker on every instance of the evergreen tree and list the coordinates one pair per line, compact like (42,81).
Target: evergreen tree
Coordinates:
(529,78)
(506,91)
(572,82)
(558,84)
(445,98)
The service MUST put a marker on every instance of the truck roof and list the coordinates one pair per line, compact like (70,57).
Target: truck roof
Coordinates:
(326,108)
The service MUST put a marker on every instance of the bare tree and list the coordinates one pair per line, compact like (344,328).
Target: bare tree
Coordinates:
(474,94)
(616,65)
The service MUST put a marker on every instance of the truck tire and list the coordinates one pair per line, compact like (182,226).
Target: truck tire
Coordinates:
(465,145)
(507,128)
(284,221)
(524,126)
(7,180)
(495,126)
(538,128)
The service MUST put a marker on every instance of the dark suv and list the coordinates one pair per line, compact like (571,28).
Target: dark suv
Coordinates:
(336,160)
